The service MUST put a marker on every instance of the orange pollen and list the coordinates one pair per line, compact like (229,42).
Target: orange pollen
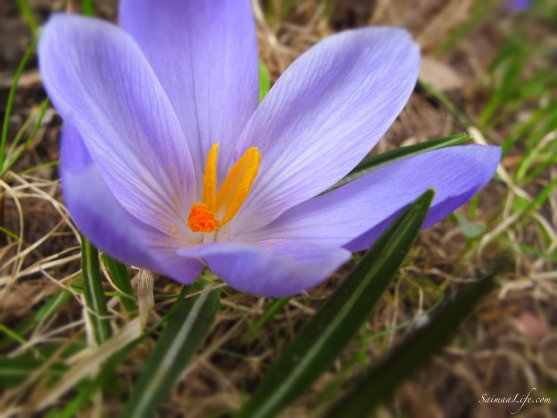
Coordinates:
(201,219)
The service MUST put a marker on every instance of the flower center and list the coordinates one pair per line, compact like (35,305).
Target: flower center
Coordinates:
(217,209)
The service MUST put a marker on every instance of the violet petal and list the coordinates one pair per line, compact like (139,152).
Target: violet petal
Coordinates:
(205,55)
(100,217)
(355,214)
(101,83)
(273,269)
(324,114)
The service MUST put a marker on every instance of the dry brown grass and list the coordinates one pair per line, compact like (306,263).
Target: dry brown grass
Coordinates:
(507,347)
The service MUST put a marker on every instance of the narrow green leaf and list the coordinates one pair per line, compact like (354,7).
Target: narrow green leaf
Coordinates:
(378,385)
(14,370)
(106,379)
(52,305)
(469,229)
(9,233)
(28,15)
(38,167)
(375,161)
(274,307)
(72,407)
(19,136)
(15,153)
(445,101)
(542,195)
(264,80)
(87,7)
(178,342)
(121,278)
(337,321)
(49,308)
(94,293)
(13,335)
(87,388)
(11,95)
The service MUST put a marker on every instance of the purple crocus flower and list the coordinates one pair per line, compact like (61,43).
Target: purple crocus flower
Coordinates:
(169,163)
(517,6)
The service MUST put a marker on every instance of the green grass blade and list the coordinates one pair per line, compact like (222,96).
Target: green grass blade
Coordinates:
(106,379)
(28,15)
(24,126)
(87,7)
(375,161)
(274,307)
(14,370)
(44,312)
(9,105)
(121,278)
(38,167)
(52,305)
(400,363)
(178,342)
(9,233)
(264,80)
(12,334)
(16,154)
(94,292)
(445,101)
(338,320)
(72,407)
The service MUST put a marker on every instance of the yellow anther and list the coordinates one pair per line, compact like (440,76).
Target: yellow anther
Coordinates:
(219,208)
(210,179)
(237,184)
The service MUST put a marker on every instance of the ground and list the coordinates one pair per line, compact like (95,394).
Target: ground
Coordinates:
(486,70)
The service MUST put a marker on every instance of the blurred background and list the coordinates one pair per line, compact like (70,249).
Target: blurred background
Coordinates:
(488,69)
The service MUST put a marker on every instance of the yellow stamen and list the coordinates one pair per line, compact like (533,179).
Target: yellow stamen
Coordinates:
(237,184)
(218,209)
(210,179)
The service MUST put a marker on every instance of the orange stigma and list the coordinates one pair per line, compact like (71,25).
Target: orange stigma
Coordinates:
(219,208)
(201,219)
